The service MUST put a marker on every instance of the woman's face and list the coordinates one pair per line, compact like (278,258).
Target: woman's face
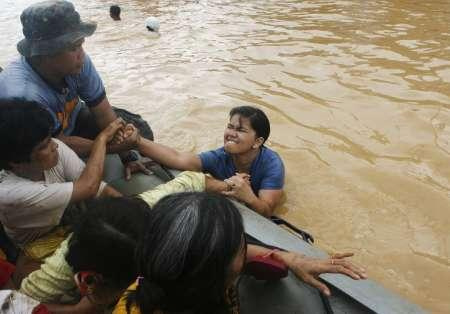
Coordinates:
(239,136)
(45,154)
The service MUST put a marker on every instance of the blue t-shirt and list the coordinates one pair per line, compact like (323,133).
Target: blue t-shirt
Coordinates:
(20,80)
(266,171)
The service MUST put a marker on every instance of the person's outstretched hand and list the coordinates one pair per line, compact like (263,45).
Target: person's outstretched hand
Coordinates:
(308,269)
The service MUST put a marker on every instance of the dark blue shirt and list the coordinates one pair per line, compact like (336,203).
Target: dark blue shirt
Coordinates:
(19,79)
(266,171)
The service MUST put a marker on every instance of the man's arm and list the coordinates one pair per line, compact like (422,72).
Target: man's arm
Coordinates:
(169,157)
(215,185)
(265,202)
(103,113)
(82,146)
(86,186)
(110,191)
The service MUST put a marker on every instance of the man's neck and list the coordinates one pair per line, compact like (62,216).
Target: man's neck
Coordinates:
(50,76)
(243,162)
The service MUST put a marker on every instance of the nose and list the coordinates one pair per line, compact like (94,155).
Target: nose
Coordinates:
(230,132)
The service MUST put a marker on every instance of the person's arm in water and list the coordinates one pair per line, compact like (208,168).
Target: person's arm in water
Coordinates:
(308,269)
(264,203)
(87,185)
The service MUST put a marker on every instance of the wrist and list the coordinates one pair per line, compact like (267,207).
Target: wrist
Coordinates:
(285,256)
(251,199)
(102,138)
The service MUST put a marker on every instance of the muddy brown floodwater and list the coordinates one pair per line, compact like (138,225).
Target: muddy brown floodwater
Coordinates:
(358,94)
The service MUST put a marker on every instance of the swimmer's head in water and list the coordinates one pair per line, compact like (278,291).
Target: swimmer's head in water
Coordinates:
(114,12)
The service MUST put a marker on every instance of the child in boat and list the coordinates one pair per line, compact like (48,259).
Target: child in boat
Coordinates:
(42,179)
(253,173)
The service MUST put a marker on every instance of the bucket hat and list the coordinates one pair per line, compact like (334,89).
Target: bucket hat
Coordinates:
(51,26)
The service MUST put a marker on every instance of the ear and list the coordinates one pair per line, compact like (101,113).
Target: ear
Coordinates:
(86,282)
(258,142)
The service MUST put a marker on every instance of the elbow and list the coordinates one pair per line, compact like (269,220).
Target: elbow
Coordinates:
(92,189)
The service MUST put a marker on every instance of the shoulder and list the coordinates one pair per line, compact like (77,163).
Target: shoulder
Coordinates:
(14,189)
(217,153)
(270,156)
(19,80)
(88,67)
(62,147)
(67,158)
(213,155)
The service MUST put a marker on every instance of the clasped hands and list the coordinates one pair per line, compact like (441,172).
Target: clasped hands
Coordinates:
(239,187)
(124,137)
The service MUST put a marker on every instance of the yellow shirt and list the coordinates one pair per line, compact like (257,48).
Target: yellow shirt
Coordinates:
(54,283)
(121,307)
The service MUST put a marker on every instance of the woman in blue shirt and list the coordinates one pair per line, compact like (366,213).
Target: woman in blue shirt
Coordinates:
(251,172)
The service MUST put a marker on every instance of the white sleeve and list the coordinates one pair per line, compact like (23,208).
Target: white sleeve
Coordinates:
(37,204)
(73,166)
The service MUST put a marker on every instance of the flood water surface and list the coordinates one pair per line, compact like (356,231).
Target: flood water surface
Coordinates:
(358,94)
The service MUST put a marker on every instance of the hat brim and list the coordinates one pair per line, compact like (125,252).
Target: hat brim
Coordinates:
(30,48)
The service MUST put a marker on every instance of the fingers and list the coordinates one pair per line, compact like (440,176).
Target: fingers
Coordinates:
(341,255)
(228,193)
(318,284)
(344,267)
(142,168)
(235,181)
(243,175)
(118,123)
(127,172)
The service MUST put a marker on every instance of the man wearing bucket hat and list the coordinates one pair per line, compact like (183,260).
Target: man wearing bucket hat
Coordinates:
(55,72)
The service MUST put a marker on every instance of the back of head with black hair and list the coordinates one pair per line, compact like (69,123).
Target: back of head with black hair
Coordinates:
(186,254)
(114,10)
(23,125)
(105,238)
(258,119)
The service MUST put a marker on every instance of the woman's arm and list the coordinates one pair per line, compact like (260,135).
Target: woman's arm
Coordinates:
(168,156)
(264,203)
(308,269)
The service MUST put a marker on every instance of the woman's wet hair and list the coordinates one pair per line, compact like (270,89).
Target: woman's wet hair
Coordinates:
(105,238)
(23,125)
(185,257)
(258,120)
